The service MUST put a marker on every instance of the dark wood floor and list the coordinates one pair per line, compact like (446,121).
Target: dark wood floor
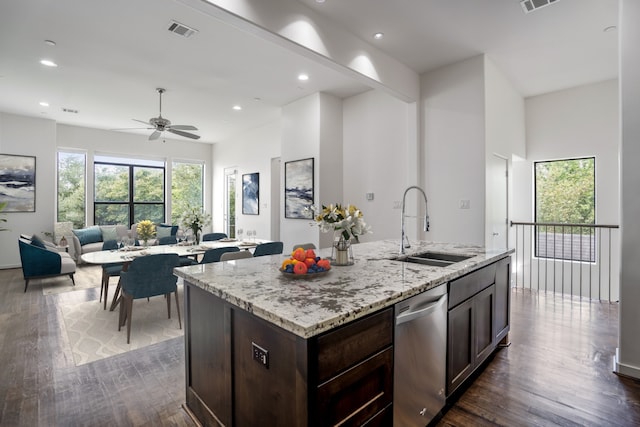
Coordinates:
(557,370)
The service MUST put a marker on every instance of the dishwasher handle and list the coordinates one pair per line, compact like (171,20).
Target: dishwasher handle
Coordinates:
(427,310)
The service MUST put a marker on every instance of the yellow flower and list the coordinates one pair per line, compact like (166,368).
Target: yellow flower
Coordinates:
(146,229)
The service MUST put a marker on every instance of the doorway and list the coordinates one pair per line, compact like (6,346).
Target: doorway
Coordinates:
(230,178)
(497,236)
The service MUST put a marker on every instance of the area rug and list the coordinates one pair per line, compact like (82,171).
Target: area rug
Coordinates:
(93,332)
(86,277)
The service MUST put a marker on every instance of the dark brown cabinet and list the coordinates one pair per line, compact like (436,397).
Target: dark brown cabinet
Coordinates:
(242,370)
(478,319)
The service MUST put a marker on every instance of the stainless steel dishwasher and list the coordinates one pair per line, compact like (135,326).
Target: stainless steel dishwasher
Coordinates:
(420,358)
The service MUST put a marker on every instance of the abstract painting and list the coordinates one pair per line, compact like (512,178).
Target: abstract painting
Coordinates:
(251,194)
(18,183)
(298,189)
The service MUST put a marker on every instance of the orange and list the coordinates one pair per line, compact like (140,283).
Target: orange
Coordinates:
(300,268)
(299,254)
(310,254)
(310,261)
(324,263)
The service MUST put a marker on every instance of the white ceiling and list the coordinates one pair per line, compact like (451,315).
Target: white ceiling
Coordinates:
(113,54)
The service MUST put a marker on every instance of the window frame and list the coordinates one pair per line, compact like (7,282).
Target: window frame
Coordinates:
(131,202)
(537,233)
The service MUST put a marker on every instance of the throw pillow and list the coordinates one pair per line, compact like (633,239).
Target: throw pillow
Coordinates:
(109,232)
(166,230)
(88,235)
(37,241)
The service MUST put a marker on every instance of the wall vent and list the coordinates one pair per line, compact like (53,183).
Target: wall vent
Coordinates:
(531,5)
(181,29)
(69,110)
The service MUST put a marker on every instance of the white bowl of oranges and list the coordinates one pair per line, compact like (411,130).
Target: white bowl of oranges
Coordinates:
(305,264)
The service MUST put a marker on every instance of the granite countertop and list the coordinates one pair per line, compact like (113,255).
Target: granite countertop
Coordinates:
(308,307)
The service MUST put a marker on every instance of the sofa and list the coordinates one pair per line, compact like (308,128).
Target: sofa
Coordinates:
(42,259)
(91,239)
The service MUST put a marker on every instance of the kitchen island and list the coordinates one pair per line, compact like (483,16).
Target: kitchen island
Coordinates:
(265,349)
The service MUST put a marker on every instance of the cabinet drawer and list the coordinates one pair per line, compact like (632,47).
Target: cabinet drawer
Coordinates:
(358,394)
(467,286)
(352,343)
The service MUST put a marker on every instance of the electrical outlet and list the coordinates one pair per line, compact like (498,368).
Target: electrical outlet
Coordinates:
(465,204)
(260,355)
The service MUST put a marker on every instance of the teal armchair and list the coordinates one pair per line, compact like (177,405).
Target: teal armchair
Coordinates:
(39,262)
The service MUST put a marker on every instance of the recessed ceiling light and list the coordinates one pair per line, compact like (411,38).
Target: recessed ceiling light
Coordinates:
(610,28)
(303,77)
(237,107)
(44,104)
(48,63)
(319,1)
(378,36)
(50,42)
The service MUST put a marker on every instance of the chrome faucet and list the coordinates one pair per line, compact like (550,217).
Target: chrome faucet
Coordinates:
(426,217)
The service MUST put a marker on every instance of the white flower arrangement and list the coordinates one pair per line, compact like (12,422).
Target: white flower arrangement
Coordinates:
(349,220)
(195,219)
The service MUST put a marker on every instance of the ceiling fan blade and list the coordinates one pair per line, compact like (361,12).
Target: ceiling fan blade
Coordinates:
(131,128)
(183,127)
(185,134)
(154,135)
(140,121)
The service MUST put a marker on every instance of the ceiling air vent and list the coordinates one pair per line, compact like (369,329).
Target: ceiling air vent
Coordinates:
(531,5)
(70,110)
(181,29)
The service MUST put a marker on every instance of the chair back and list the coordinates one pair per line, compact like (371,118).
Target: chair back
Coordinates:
(37,261)
(167,240)
(229,256)
(209,237)
(269,248)
(213,255)
(150,275)
(110,245)
(304,246)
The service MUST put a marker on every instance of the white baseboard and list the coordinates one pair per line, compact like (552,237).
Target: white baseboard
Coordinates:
(624,370)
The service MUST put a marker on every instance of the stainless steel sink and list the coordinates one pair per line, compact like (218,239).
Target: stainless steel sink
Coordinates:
(435,259)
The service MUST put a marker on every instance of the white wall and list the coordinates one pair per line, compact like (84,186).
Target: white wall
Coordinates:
(29,136)
(577,122)
(249,152)
(331,176)
(505,136)
(627,360)
(453,133)
(376,145)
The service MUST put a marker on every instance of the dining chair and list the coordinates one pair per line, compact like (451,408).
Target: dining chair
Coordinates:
(213,255)
(230,256)
(304,246)
(268,248)
(209,237)
(148,276)
(109,270)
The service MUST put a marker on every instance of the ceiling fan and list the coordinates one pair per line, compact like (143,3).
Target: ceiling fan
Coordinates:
(160,124)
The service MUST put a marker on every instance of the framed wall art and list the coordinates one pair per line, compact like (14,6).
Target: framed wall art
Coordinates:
(18,183)
(251,194)
(298,189)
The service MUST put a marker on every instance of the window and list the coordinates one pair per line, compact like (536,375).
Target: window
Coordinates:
(71,188)
(128,190)
(187,191)
(230,176)
(565,194)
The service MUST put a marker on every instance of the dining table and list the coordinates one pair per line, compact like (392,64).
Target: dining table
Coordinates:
(127,254)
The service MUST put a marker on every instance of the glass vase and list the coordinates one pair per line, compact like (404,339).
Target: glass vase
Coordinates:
(341,250)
